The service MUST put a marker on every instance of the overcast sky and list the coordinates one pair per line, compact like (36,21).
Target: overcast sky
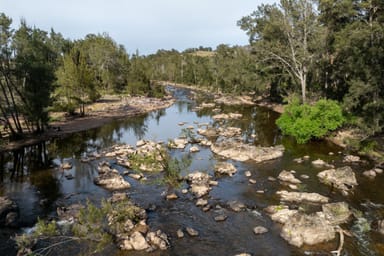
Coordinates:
(146,25)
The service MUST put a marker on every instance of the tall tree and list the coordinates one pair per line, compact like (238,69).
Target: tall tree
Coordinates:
(286,37)
(76,81)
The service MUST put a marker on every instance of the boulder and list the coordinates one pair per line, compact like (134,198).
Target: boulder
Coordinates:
(9,212)
(199,183)
(229,132)
(280,213)
(244,152)
(110,178)
(307,229)
(342,178)
(336,213)
(260,230)
(209,132)
(321,163)
(288,177)
(351,159)
(158,240)
(194,149)
(302,197)
(191,231)
(225,168)
(135,242)
(178,143)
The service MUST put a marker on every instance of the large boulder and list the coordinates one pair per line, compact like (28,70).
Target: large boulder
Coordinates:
(225,168)
(302,197)
(9,212)
(342,178)
(307,229)
(244,152)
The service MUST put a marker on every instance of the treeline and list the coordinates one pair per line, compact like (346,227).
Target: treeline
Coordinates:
(42,71)
(311,49)
(298,48)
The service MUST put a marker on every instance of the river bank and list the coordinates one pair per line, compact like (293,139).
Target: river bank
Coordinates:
(105,110)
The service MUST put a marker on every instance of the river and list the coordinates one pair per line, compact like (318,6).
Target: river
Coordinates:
(44,186)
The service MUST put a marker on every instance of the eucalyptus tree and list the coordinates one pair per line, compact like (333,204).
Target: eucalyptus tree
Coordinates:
(286,37)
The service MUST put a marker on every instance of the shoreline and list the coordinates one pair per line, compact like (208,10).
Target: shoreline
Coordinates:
(110,110)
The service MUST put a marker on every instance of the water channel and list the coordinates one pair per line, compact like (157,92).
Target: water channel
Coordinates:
(43,187)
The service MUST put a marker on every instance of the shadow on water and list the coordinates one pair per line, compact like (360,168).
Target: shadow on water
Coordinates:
(32,178)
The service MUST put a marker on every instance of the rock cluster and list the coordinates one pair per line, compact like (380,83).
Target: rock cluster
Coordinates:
(110,178)
(243,152)
(199,183)
(300,228)
(342,178)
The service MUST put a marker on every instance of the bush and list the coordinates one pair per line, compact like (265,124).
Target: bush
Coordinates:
(305,122)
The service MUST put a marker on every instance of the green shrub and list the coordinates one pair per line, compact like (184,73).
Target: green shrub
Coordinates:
(305,122)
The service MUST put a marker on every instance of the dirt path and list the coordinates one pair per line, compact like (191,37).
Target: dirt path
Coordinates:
(97,114)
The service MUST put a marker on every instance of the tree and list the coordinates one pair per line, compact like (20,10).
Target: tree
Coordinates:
(26,76)
(76,81)
(286,37)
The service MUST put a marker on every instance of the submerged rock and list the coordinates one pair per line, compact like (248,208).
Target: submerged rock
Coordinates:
(244,152)
(225,168)
(307,229)
(342,178)
(288,177)
(302,197)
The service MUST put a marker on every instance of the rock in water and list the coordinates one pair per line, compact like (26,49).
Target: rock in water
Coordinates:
(244,152)
(225,168)
(260,230)
(307,229)
(191,231)
(302,197)
(288,177)
(342,178)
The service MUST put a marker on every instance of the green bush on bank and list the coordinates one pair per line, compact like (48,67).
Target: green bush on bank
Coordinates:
(305,122)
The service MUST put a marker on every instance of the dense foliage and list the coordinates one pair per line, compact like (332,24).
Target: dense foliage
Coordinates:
(305,122)
(317,49)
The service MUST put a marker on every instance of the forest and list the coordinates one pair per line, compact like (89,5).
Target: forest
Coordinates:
(298,49)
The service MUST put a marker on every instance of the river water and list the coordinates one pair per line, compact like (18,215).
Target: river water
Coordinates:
(44,187)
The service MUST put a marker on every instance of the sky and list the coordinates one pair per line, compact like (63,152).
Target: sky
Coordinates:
(143,25)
